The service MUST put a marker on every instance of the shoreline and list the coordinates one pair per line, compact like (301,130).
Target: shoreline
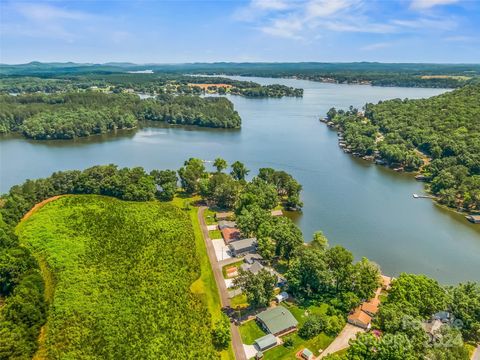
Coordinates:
(378,161)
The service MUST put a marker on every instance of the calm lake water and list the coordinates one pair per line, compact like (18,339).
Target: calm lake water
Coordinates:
(366,208)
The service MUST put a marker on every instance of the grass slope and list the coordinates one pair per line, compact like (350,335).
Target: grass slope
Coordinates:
(122,274)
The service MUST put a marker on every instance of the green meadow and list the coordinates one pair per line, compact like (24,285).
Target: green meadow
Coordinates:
(119,280)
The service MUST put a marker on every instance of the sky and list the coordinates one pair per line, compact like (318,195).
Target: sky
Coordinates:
(141,31)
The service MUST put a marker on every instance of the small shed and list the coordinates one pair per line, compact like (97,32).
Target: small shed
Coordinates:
(281,297)
(266,342)
(306,354)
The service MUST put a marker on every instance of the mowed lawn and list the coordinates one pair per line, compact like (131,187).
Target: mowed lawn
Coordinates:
(250,331)
(122,275)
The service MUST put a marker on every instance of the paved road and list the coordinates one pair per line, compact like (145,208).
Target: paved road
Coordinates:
(222,289)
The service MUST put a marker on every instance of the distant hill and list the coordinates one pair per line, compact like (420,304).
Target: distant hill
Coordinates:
(381,74)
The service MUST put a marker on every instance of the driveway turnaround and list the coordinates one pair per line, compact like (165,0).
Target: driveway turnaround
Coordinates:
(341,341)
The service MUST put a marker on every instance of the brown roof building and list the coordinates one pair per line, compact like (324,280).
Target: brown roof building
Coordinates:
(371,307)
(360,318)
(230,234)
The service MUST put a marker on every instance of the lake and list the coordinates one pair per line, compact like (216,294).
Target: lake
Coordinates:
(366,208)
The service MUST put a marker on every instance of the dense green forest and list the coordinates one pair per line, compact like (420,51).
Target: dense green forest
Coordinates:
(121,290)
(381,74)
(440,136)
(153,84)
(76,114)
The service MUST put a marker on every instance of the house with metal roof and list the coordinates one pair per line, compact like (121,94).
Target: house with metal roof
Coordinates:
(224,224)
(277,321)
(266,342)
(242,247)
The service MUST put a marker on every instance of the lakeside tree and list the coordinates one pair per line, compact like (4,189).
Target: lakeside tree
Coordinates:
(258,287)
(239,171)
(220,164)
(166,181)
(190,175)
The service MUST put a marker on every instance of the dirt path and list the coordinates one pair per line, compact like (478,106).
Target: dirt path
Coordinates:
(222,289)
(39,205)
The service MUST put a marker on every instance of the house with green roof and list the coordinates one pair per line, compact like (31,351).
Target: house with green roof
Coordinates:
(277,321)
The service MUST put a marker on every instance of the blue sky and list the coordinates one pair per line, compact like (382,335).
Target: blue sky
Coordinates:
(143,31)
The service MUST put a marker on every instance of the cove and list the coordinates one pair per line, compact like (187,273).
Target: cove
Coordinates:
(366,208)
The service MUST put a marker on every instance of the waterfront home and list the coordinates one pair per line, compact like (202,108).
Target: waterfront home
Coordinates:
(386,282)
(230,234)
(277,321)
(370,307)
(360,318)
(242,247)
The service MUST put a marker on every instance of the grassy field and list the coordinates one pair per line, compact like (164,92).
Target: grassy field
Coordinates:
(128,280)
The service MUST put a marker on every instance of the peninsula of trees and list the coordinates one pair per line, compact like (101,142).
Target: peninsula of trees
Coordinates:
(151,84)
(77,114)
(439,136)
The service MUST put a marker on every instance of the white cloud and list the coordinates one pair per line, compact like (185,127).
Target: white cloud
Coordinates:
(427,4)
(376,46)
(310,19)
(44,12)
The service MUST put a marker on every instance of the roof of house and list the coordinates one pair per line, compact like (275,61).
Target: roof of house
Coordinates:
(243,244)
(386,281)
(360,316)
(277,213)
(266,341)
(371,306)
(253,268)
(282,296)
(442,316)
(230,234)
(222,224)
(277,319)
(251,258)
(432,327)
